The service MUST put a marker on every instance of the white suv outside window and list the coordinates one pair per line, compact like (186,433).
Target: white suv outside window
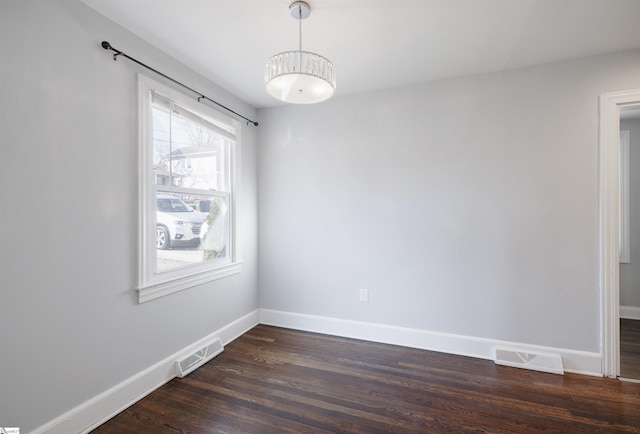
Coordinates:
(178,224)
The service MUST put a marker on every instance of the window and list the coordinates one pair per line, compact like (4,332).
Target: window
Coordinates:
(188,202)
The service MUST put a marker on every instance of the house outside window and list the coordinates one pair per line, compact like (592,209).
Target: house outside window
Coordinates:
(188,200)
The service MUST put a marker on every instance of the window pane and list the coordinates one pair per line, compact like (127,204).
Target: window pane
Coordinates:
(188,151)
(190,229)
(161,144)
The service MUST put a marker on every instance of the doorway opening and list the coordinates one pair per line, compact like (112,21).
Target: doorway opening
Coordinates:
(611,105)
(630,240)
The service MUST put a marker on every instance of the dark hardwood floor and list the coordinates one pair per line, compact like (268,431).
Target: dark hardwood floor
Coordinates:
(630,348)
(274,380)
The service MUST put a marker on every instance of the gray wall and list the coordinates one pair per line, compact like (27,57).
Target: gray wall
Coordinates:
(70,326)
(630,273)
(466,206)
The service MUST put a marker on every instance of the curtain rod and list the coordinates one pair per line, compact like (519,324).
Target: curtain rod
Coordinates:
(107,46)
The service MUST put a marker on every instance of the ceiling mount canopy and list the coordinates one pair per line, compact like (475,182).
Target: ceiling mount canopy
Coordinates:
(300,77)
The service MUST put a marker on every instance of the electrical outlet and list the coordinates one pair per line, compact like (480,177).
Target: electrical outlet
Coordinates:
(364,295)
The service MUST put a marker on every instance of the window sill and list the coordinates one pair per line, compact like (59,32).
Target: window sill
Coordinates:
(151,292)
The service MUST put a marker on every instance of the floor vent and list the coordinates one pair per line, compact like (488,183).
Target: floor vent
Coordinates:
(199,358)
(544,362)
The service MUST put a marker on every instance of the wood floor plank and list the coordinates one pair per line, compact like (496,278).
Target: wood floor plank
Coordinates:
(630,348)
(274,380)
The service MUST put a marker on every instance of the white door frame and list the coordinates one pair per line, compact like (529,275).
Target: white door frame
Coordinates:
(610,104)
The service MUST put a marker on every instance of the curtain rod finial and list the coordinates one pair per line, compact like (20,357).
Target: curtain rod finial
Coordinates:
(107,46)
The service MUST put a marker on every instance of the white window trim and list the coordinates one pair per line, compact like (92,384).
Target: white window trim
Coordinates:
(625,198)
(153,285)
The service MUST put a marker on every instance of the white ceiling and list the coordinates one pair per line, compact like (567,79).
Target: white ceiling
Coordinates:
(375,44)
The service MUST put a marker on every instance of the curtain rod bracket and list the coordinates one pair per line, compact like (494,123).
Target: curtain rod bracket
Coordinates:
(107,46)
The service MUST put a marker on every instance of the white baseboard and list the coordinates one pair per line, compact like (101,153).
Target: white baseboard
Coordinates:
(580,362)
(101,408)
(104,406)
(629,312)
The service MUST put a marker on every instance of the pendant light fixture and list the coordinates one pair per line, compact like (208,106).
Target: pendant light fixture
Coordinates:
(300,77)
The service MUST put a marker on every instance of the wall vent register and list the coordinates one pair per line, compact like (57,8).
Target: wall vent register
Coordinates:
(193,361)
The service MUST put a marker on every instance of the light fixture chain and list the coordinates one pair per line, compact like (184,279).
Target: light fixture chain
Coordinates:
(300,36)
(300,25)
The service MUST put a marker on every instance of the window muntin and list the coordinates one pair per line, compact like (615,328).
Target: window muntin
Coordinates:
(188,202)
